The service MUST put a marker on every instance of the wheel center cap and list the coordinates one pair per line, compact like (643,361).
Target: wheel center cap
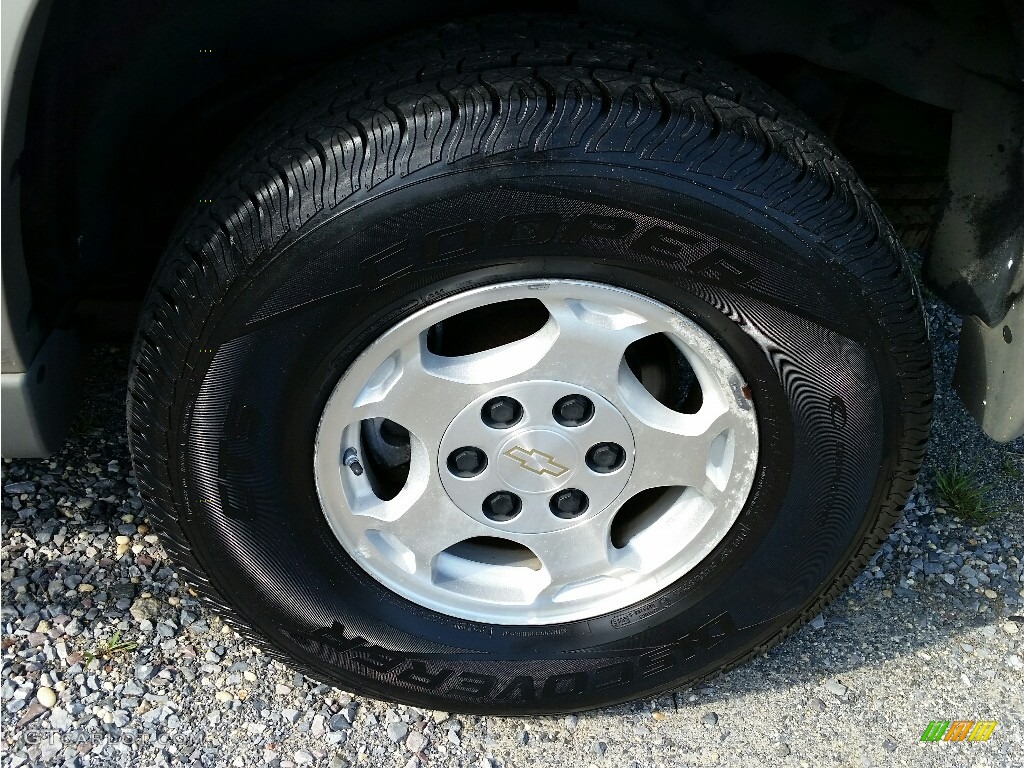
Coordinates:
(537,461)
(533,459)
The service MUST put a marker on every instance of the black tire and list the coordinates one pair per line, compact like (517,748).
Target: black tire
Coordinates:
(413,174)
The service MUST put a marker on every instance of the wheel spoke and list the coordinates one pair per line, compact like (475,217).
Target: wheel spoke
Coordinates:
(427,525)
(423,391)
(586,342)
(413,388)
(667,457)
(674,449)
(573,555)
(676,517)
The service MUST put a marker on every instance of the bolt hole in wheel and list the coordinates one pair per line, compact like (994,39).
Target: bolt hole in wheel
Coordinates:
(537,452)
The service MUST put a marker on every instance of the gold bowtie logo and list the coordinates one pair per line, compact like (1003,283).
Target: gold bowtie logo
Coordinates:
(535,461)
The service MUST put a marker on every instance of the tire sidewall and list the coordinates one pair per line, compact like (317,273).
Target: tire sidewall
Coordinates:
(431,240)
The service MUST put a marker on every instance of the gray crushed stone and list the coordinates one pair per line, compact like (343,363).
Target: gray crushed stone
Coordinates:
(933,629)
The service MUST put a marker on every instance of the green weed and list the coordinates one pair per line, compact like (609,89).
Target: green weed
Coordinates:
(109,648)
(963,495)
(1012,466)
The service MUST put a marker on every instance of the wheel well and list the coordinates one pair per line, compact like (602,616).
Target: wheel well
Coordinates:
(132,103)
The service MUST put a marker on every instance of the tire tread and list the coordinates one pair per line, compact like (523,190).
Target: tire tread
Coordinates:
(359,125)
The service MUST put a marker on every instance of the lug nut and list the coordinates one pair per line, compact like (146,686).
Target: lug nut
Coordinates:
(467,461)
(569,503)
(501,412)
(606,457)
(502,506)
(573,411)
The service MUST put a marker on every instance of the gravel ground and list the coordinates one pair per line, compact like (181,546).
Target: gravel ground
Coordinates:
(931,631)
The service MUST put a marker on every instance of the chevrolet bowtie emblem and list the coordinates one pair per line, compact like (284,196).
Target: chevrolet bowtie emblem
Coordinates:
(535,461)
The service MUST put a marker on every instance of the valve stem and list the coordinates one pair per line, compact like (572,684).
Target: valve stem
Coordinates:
(351,460)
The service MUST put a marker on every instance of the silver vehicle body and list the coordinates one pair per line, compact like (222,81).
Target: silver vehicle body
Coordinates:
(37,364)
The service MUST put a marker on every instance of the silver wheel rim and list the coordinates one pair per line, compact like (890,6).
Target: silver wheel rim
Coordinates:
(435,544)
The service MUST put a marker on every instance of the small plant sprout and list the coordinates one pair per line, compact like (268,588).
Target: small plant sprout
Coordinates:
(963,495)
(109,648)
(1012,466)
